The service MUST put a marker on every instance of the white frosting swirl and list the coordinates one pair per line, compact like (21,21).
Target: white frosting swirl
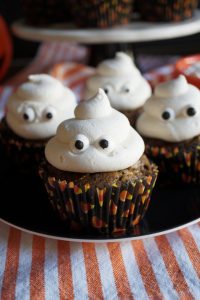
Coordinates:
(172,113)
(95,141)
(123,83)
(38,106)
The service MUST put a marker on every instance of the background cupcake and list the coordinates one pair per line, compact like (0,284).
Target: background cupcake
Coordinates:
(166,10)
(170,126)
(33,113)
(95,173)
(45,12)
(101,13)
(123,83)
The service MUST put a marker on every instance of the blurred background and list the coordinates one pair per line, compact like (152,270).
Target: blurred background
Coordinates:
(24,51)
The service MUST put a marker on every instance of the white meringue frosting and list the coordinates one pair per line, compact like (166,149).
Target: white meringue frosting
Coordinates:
(38,106)
(172,113)
(98,139)
(123,83)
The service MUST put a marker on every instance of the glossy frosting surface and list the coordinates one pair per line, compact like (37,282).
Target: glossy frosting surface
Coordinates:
(98,139)
(172,113)
(38,106)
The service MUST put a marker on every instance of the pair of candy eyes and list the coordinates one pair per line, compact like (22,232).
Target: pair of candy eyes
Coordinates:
(168,114)
(29,114)
(125,90)
(79,145)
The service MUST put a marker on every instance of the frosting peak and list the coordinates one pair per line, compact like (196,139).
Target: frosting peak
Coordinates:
(123,83)
(172,88)
(96,107)
(95,141)
(39,87)
(38,106)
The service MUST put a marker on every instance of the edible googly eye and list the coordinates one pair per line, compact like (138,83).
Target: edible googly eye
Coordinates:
(168,114)
(104,143)
(28,114)
(107,89)
(49,113)
(126,88)
(79,144)
(191,111)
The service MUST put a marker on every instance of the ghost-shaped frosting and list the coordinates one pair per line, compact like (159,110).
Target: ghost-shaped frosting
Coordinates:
(123,83)
(98,139)
(38,106)
(172,113)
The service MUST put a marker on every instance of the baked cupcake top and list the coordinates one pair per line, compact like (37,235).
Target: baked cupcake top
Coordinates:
(98,139)
(172,113)
(38,106)
(123,83)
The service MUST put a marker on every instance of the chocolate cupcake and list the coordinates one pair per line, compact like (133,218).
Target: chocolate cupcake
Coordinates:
(95,173)
(123,83)
(44,12)
(170,126)
(166,10)
(101,13)
(33,113)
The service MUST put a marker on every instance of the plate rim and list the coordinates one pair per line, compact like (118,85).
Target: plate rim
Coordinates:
(102,240)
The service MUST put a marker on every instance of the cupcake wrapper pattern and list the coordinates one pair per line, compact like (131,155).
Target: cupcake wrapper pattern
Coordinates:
(167,10)
(21,154)
(102,14)
(178,163)
(109,210)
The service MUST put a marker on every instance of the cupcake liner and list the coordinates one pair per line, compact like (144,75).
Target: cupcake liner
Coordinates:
(108,210)
(102,14)
(23,155)
(178,163)
(44,12)
(166,11)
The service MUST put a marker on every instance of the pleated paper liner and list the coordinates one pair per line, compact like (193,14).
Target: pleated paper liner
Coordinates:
(22,155)
(112,209)
(101,14)
(178,162)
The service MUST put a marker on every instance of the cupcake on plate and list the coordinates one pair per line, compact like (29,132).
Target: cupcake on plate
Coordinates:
(44,12)
(95,173)
(33,113)
(101,13)
(170,126)
(166,10)
(123,83)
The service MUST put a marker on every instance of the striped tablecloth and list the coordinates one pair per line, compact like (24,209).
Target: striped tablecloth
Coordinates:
(33,267)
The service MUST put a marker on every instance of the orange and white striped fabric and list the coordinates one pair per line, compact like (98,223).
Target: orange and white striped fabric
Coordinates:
(34,267)
(165,267)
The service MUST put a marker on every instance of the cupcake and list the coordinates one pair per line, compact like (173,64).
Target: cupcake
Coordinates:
(33,113)
(166,10)
(170,126)
(101,14)
(44,12)
(95,173)
(123,83)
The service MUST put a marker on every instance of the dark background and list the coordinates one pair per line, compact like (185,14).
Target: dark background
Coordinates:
(25,50)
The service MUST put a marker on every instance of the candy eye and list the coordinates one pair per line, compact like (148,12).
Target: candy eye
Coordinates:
(126,89)
(28,114)
(168,114)
(107,89)
(49,113)
(79,144)
(104,143)
(191,111)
